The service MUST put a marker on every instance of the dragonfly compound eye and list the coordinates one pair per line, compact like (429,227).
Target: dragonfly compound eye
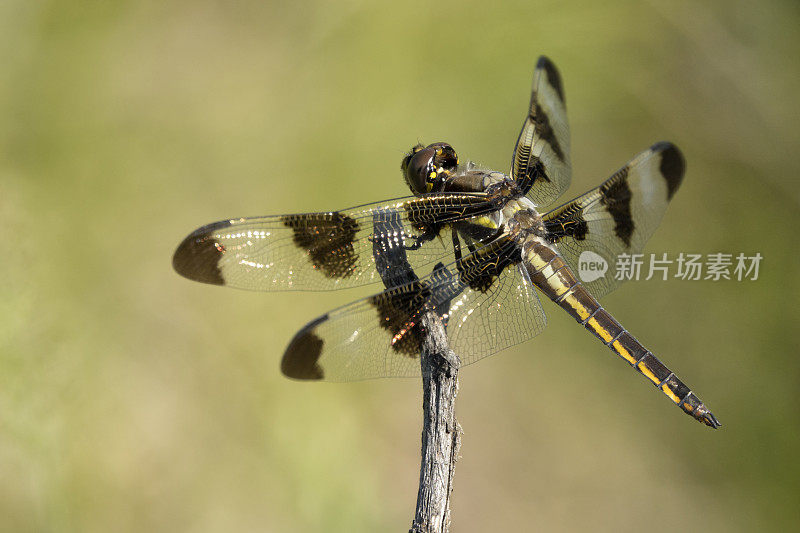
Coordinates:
(426,169)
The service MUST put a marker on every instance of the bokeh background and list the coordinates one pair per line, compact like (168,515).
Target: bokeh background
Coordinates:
(134,400)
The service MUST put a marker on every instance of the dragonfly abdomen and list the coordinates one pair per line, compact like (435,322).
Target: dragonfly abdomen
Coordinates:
(553,277)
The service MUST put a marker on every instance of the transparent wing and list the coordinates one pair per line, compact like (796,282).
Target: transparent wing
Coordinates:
(541,156)
(321,251)
(485,300)
(619,216)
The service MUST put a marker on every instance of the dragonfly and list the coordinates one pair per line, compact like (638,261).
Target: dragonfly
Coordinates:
(472,244)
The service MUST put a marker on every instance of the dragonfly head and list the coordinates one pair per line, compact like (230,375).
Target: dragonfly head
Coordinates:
(426,168)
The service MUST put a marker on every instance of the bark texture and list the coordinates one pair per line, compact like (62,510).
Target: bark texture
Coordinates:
(441,434)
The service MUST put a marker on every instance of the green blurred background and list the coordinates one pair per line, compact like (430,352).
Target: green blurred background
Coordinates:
(134,400)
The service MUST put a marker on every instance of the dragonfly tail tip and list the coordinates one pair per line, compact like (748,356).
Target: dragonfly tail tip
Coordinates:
(711,421)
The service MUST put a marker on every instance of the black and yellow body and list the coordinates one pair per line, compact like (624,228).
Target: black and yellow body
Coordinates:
(553,277)
(470,244)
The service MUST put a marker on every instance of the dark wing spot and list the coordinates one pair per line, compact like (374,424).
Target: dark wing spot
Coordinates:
(480,270)
(537,171)
(553,77)
(301,359)
(439,276)
(615,195)
(577,228)
(568,221)
(328,239)
(431,214)
(672,167)
(424,213)
(197,257)
(545,130)
(399,312)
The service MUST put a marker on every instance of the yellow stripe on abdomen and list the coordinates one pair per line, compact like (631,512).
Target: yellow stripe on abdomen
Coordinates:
(648,373)
(620,350)
(601,332)
(580,309)
(669,393)
(560,282)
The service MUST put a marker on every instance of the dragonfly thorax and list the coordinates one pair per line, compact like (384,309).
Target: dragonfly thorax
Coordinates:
(522,219)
